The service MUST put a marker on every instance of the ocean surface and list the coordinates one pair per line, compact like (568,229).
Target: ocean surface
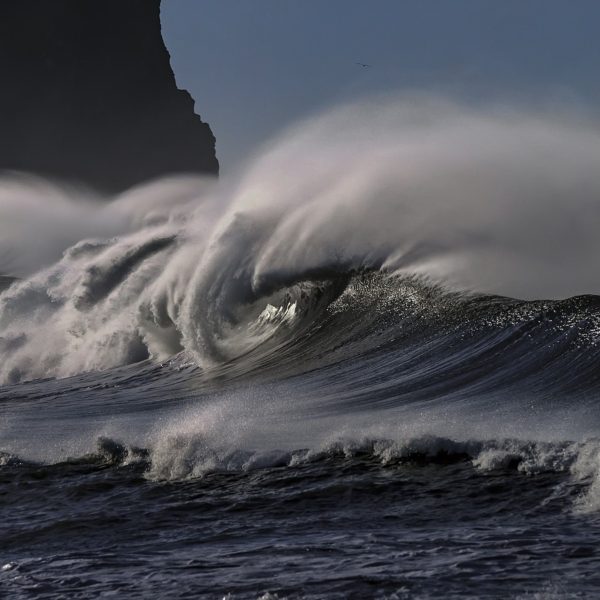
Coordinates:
(281,386)
(175,482)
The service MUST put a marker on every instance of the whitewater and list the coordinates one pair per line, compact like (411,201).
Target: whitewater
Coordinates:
(365,364)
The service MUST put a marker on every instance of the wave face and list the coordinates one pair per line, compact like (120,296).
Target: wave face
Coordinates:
(351,321)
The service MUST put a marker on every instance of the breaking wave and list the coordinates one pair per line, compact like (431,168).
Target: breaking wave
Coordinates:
(418,189)
(186,457)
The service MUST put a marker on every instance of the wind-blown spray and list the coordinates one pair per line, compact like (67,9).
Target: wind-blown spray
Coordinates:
(487,200)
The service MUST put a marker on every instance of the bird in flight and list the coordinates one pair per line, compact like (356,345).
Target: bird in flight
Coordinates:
(363,65)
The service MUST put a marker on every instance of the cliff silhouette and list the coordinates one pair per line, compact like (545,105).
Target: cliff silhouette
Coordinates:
(88,94)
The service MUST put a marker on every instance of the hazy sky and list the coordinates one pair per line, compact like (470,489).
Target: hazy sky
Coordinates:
(255,66)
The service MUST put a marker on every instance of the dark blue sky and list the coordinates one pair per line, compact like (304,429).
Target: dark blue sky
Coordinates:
(256,66)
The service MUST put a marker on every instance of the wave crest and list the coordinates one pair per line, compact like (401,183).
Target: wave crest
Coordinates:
(475,199)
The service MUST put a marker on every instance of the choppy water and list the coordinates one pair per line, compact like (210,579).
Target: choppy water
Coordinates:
(381,456)
(255,390)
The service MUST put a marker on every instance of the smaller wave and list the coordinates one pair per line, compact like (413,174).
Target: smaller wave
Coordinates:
(188,457)
(185,457)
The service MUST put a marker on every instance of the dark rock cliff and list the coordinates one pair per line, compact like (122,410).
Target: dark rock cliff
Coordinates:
(87,94)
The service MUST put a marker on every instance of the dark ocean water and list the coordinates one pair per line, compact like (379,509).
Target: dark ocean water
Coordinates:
(387,439)
(279,385)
